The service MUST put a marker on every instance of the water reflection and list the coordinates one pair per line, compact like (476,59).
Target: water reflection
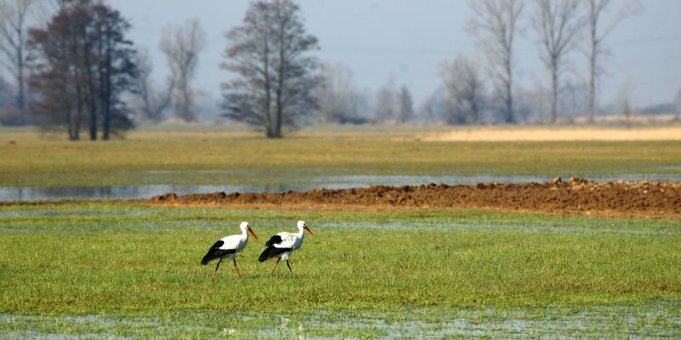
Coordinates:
(288,184)
(127,191)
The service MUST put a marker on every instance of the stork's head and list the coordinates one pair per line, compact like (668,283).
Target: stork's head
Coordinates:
(303,225)
(246,227)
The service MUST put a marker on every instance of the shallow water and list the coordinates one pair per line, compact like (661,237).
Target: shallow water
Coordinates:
(299,183)
(654,319)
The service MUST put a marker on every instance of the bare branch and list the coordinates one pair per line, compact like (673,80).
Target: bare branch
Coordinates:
(557,22)
(465,91)
(595,8)
(182,46)
(13,21)
(496,26)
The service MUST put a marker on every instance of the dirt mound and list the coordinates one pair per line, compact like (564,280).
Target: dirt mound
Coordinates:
(575,196)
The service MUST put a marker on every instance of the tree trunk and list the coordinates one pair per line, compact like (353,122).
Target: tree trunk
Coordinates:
(267,114)
(74,123)
(92,107)
(106,92)
(554,92)
(279,110)
(509,91)
(592,75)
(21,95)
(509,104)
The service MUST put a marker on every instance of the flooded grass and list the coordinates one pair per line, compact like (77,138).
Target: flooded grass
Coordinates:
(660,318)
(189,158)
(300,182)
(120,269)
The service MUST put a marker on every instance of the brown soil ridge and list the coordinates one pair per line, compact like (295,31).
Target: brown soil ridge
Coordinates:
(575,196)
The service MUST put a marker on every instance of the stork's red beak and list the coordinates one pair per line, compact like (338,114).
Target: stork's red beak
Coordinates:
(252,232)
(308,230)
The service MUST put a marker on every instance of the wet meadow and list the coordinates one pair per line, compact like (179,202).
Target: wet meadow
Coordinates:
(120,268)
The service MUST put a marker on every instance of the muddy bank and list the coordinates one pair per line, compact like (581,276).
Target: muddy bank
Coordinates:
(573,196)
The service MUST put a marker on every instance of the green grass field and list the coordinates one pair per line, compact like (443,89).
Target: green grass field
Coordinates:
(120,269)
(229,157)
(126,269)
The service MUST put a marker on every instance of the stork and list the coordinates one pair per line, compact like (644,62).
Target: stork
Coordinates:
(283,244)
(228,246)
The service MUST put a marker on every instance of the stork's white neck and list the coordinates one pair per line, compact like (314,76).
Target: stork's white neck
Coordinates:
(244,233)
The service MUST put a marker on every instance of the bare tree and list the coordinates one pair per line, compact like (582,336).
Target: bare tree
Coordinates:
(182,46)
(596,50)
(5,94)
(339,100)
(496,25)
(627,112)
(434,107)
(626,91)
(406,102)
(151,102)
(385,104)
(677,104)
(14,15)
(276,77)
(557,23)
(466,92)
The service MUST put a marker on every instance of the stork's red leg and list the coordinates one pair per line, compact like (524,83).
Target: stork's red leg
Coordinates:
(216,268)
(275,265)
(236,267)
(289,266)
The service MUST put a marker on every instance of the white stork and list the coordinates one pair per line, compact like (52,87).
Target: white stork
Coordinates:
(283,244)
(228,246)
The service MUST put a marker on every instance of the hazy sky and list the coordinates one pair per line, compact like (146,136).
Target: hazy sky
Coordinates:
(407,40)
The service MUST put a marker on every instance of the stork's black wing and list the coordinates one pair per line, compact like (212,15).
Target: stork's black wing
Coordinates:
(215,252)
(271,250)
(273,240)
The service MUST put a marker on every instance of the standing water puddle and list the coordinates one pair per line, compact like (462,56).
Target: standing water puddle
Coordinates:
(302,183)
(654,319)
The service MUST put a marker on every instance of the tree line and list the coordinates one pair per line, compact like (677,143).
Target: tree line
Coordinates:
(76,69)
(560,27)
(84,74)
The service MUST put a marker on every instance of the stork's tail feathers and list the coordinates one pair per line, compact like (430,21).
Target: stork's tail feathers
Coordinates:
(206,259)
(215,252)
(266,254)
(272,251)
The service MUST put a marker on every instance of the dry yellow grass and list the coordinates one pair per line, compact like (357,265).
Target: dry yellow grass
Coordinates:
(530,133)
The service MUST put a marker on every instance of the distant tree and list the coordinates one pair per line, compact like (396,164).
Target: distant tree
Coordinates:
(677,103)
(276,76)
(558,24)
(627,111)
(385,103)
(597,35)
(465,89)
(534,103)
(8,111)
(406,112)
(434,108)
(182,46)
(14,15)
(338,98)
(5,95)
(625,92)
(496,26)
(151,102)
(83,63)
(573,100)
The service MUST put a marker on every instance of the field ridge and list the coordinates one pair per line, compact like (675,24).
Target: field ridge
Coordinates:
(574,196)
